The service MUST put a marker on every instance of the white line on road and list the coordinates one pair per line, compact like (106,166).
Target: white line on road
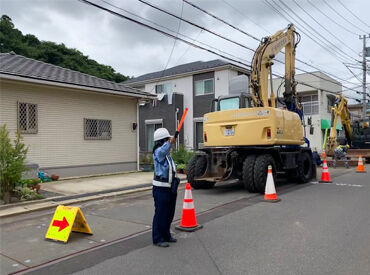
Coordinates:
(337,184)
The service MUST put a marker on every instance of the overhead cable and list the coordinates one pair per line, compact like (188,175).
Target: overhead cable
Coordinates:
(329,18)
(353,14)
(322,26)
(321,36)
(343,16)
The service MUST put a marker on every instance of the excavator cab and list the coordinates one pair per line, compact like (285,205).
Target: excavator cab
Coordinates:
(232,102)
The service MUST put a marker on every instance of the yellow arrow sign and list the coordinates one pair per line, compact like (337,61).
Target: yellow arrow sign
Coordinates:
(65,220)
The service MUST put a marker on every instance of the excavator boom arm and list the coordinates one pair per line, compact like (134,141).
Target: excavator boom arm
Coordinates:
(261,68)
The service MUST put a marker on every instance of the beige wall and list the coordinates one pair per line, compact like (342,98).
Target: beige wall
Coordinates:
(60,138)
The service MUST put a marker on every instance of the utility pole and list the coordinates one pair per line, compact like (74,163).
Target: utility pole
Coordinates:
(365,53)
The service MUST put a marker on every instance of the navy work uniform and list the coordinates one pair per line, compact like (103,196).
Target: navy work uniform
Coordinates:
(341,153)
(164,198)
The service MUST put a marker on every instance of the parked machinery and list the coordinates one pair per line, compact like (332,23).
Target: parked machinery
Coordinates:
(245,133)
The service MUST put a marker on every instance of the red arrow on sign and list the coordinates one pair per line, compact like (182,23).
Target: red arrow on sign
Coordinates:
(61,224)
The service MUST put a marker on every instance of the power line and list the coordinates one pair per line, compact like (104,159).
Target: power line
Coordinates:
(249,35)
(194,45)
(163,32)
(321,36)
(221,20)
(325,47)
(328,17)
(195,25)
(344,44)
(238,11)
(163,27)
(353,14)
(342,16)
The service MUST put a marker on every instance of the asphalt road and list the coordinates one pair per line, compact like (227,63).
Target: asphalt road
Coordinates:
(314,229)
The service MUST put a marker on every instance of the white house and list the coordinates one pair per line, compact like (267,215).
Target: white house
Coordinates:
(198,83)
(317,98)
(74,124)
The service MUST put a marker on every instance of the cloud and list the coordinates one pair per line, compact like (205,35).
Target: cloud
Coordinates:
(134,50)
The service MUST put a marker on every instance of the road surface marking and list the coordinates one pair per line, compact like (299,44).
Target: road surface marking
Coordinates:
(338,184)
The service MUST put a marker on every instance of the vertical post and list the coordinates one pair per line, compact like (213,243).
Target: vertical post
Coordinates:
(364,52)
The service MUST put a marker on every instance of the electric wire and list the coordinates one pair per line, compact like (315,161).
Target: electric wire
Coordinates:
(255,38)
(161,26)
(353,14)
(342,16)
(197,46)
(328,17)
(195,25)
(164,33)
(225,38)
(325,47)
(238,29)
(238,11)
(316,32)
(342,42)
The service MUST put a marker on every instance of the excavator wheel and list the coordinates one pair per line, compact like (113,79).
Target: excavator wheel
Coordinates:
(196,168)
(260,171)
(305,168)
(248,173)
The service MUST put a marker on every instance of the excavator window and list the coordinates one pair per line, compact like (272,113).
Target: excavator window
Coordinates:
(232,103)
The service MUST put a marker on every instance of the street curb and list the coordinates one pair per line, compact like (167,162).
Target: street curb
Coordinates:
(74,199)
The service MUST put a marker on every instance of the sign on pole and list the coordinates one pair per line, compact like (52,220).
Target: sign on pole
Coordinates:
(367,52)
(65,220)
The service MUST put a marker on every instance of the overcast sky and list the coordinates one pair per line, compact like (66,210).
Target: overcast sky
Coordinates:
(134,50)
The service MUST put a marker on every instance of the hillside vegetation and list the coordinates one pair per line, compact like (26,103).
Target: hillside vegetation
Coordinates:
(11,39)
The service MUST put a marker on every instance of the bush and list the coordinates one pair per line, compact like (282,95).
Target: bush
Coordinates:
(30,182)
(182,155)
(146,158)
(12,162)
(27,194)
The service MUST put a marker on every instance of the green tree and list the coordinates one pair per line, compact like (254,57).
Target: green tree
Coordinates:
(12,162)
(11,39)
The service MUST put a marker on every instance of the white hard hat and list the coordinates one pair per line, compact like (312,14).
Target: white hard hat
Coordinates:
(161,133)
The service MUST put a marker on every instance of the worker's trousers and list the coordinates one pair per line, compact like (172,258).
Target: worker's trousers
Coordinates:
(165,204)
(340,156)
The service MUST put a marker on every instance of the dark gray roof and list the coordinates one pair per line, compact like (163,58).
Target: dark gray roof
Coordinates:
(18,65)
(184,68)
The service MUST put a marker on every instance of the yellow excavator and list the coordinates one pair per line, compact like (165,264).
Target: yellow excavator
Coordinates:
(340,109)
(245,133)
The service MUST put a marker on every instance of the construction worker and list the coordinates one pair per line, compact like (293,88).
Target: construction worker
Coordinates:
(163,192)
(341,153)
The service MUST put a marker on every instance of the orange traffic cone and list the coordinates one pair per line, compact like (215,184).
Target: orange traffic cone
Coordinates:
(270,191)
(325,177)
(360,166)
(188,220)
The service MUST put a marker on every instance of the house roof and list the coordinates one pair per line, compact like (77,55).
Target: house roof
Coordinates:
(17,65)
(181,69)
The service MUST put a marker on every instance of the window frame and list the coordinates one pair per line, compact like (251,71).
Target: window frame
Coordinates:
(27,131)
(98,126)
(151,122)
(204,80)
(310,104)
(169,84)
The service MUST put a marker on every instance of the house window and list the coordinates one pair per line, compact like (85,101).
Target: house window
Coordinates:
(198,134)
(27,118)
(151,126)
(100,129)
(330,104)
(204,87)
(163,88)
(310,104)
